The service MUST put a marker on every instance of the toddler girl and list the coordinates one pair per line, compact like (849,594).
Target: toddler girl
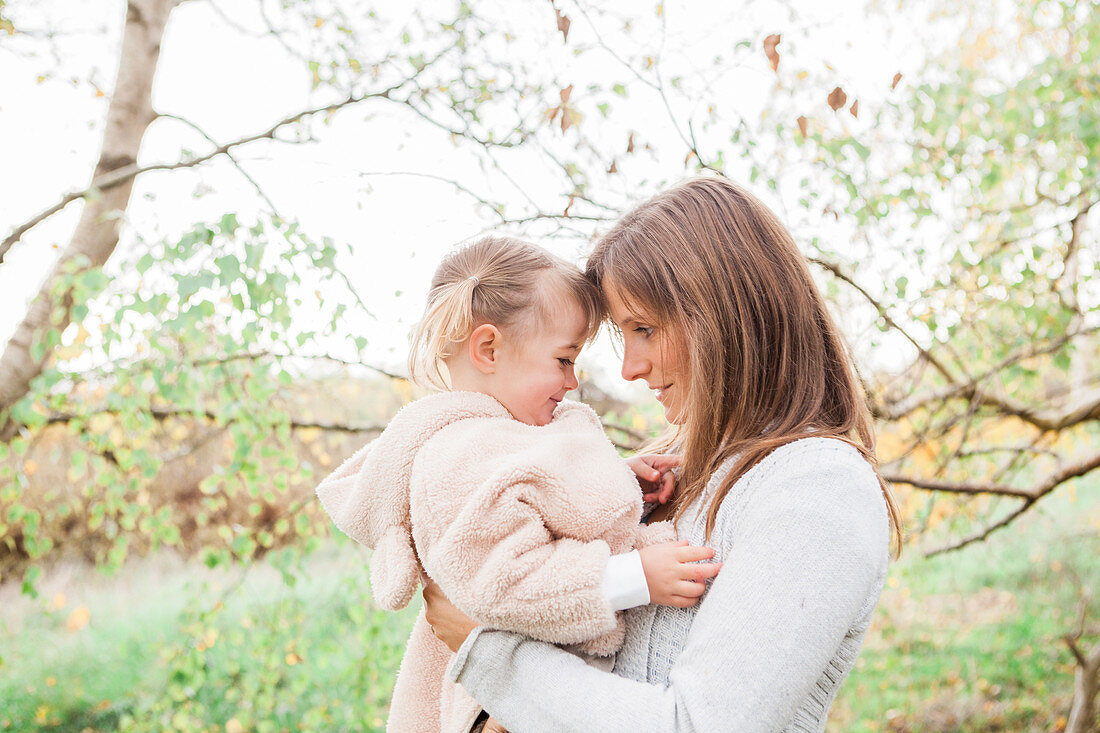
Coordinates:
(509,497)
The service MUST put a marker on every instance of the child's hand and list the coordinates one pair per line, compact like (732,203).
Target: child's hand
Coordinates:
(655,475)
(673,575)
(492,726)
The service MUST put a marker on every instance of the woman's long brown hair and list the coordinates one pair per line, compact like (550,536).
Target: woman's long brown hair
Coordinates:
(711,262)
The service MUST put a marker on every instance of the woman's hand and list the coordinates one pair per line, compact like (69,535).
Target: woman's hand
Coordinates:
(449,625)
(673,573)
(655,475)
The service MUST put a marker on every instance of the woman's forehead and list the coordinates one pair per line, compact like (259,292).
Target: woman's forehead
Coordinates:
(623,306)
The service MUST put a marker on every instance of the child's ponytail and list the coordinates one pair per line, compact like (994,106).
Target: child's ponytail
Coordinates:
(448,320)
(496,280)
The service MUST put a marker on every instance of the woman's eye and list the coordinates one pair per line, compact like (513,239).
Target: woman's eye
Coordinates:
(644,330)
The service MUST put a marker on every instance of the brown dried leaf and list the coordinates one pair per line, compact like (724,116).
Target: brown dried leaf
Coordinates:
(854,109)
(630,143)
(569,117)
(565,93)
(803,125)
(563,24)
(769,50)
(897,78)
(837,98)
(614,168)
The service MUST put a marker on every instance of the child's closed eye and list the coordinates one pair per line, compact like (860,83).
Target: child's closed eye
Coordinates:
(565,361)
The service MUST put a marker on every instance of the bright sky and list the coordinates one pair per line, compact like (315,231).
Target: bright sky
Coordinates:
(231,84)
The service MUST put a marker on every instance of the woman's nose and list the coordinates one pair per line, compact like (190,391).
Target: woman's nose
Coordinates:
(635,365)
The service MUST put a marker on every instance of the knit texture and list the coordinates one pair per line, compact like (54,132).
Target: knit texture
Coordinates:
(804,538)
(514,522)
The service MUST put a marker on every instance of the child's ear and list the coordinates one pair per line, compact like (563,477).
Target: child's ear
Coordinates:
(484,345)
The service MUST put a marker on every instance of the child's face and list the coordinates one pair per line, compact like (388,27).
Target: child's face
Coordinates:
(534,373)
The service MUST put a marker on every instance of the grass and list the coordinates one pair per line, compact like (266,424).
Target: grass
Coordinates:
(968,641)
(172,645)
(971,640)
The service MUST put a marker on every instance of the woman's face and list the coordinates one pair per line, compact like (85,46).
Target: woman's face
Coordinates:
(654,354)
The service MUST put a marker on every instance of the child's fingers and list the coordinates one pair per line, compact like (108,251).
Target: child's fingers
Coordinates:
(682,601)
(665,462)
(692,553)
(700,572)
(667,486)
(687,589)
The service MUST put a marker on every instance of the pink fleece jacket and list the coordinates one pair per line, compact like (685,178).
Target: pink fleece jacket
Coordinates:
(514,522)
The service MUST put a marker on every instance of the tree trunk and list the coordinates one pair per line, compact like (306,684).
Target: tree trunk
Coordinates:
(96,235)
(1082,714)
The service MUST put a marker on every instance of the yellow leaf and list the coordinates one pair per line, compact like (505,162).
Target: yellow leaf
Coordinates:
(30,467)
(51,681)
(318,22)
(78,619)
(59,601)
(233,726)
(292,659)
(41,714)
(308,435)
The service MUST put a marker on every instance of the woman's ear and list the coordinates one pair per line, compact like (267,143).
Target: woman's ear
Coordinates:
(484,346)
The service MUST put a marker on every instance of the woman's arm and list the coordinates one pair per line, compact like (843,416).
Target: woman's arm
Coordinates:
(807,556)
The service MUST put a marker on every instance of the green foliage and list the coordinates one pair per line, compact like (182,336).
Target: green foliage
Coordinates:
(195,331)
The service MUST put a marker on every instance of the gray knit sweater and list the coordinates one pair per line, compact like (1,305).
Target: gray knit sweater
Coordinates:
(804,538)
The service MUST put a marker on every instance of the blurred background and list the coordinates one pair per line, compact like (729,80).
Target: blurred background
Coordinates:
(220,218)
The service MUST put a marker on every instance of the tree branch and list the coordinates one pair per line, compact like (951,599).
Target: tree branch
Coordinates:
(126,173)
(1074,470)
(163,413)
(839,272)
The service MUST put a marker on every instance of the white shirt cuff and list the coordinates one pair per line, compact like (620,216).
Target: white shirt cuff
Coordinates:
(624,583)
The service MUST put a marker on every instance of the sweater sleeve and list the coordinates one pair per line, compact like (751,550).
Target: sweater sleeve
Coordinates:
(810,549)
(497,562)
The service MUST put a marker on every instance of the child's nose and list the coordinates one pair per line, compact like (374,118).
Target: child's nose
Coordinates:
(571,381)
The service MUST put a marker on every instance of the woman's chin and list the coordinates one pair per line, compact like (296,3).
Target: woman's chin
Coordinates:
(673,416)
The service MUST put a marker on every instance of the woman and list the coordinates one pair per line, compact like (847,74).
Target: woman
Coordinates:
(719,314)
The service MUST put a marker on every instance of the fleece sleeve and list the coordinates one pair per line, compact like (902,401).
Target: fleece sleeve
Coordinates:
(809,552)
(498,563)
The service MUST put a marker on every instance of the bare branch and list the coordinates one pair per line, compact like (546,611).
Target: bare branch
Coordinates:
(1029,497)
(884,313)
(958,488)
(163,413)
(125,173)
(232,158)
(901,409)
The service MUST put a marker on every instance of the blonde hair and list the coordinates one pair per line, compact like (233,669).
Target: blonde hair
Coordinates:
(497,280)
(766,363)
